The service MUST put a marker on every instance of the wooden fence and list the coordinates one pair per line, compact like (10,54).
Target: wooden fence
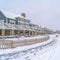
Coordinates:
(4,44)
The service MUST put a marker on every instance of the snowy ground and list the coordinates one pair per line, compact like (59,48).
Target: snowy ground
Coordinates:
(49,50)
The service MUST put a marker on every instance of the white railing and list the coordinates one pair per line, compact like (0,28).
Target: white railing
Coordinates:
(16,26)
(12,44)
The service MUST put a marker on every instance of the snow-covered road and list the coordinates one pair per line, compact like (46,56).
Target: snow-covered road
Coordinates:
(50,51)
(57,50)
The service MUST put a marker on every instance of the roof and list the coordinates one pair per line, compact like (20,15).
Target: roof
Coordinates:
(10,14)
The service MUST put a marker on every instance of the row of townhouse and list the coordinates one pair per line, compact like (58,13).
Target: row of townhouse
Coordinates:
(13,24)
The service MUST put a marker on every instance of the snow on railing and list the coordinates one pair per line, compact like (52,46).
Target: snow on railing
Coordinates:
(12,43)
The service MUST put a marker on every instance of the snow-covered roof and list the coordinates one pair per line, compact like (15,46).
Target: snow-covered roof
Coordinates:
(10,14)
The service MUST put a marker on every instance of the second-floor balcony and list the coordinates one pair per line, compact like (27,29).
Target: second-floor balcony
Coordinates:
(18,27)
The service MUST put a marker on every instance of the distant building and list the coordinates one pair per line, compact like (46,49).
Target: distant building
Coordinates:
(13,24)
(57,31)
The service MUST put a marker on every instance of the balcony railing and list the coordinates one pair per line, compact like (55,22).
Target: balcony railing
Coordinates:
(17,26)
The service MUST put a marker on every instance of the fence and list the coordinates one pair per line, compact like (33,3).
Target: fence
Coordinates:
(4,44)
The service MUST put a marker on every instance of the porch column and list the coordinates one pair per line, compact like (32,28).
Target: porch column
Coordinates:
(3,32)
(13,32)
(29,33)
(18,32)
(32,32)
(24,32)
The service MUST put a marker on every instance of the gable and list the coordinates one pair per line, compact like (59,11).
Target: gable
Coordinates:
(9,14)
(2,16)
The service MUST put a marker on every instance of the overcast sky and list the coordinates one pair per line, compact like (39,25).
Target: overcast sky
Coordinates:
(41,12)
